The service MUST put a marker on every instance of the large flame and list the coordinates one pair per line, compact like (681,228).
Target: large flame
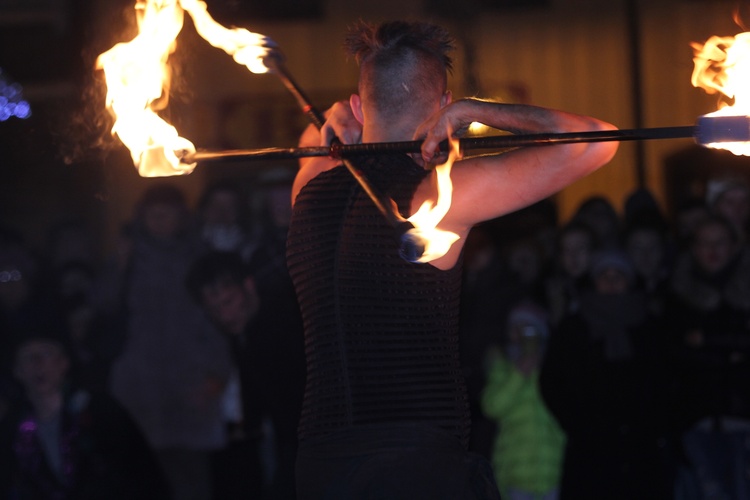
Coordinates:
(722,65)
(138,79)
(425,220)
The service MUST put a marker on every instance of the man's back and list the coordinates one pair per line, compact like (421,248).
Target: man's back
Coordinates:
(381,333)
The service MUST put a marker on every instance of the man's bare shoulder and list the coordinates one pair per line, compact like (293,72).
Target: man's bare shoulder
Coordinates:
(310,170)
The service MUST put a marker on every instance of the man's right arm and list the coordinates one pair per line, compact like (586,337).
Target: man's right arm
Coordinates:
(486,187)
(341,124)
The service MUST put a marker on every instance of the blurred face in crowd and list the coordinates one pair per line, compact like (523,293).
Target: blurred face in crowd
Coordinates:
(600,216)
(41,366)
(75,281)
(231,305)
(222,209)
(713,246)
(734,204)
(644,247)
(163,220)
(525,335)
(611,281)
(689,218)
(525,261)
(79,320)
(575,253)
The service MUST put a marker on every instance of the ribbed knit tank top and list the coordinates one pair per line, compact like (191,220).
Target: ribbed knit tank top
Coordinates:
(381,333)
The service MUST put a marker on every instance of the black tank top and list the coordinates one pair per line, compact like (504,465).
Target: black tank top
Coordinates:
(381,333)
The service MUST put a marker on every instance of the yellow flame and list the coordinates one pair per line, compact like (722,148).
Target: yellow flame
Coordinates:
(425,220)
(247,48)
(722,65)
(138,78)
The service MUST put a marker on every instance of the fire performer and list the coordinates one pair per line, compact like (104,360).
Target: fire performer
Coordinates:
(385,411)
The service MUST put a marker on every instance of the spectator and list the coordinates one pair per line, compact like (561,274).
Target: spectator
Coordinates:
(646,246)
(223,221)
(527,265)
(690,212)
(569,277)
(24,304)
(72,288)
(173,366)
(730,198)
(600,216)
(486,296)
(709,318)
(61,442)
(528,447)
(641,207)
(23,301)
(603,380)
(268,350)
(269,258)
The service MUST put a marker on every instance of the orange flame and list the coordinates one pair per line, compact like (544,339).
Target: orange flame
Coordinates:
(425,220)
(722,65)
(138,78)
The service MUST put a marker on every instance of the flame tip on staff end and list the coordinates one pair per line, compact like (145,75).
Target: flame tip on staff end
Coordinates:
(412,245)
(717,129)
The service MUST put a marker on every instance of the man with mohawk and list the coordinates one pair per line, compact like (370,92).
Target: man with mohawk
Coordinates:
(385,411)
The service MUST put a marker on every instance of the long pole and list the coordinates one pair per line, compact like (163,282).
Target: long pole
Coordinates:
(274,62)
(499,142)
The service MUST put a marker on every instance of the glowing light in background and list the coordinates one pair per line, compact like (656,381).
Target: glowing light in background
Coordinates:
(476,128)
(12,104)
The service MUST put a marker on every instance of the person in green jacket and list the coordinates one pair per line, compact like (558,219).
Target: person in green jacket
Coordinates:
(529,444)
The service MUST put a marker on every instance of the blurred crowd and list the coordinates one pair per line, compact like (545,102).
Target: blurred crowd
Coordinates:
(607,356)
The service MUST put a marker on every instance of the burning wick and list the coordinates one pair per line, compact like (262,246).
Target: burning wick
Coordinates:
(722,67)
(424,242)
(724,132)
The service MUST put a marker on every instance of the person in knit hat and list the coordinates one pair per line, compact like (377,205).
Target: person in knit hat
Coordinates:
(528,448)
(603,378)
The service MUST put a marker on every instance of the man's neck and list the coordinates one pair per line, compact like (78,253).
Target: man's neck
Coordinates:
(376,131)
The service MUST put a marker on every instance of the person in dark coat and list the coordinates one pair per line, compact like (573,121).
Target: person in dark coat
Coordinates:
(708,308)
(171,367)
(602,380)
(268,351)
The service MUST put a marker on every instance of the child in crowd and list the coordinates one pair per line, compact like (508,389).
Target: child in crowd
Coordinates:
(528,450)
(62,442)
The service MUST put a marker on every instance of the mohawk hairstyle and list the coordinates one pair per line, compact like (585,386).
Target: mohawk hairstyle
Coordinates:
(404,66)
(364,40)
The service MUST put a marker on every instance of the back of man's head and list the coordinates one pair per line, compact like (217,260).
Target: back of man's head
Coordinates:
(403,65)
